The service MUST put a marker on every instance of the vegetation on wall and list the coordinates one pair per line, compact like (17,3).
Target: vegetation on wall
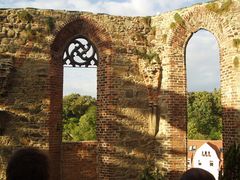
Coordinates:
(173,25)
(217,8)
(149,56)
(31,35)
(236,62)
(153,30)
(147,20)
(164,38)
(79,118)
(232,163)
(13,48)
(27,35)
(151,174)
(178,21)
(25,16)
(50,24)
(204,115)
(236,43)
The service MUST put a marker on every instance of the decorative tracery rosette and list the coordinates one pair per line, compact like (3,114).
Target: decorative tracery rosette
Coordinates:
(80,53)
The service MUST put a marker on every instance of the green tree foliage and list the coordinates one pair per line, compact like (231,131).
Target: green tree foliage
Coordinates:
(79,118)
(151,174)
(231,163)
(204,115)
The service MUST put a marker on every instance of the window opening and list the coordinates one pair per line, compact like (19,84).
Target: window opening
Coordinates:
(80,61)
(203,89)
(199,163)
(211,163)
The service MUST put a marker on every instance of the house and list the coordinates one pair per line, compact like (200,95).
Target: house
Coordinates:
(206,154)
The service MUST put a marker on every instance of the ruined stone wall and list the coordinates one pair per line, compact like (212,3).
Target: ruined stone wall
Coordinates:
(141,120)
(174,29)
(33,86)
(24,102)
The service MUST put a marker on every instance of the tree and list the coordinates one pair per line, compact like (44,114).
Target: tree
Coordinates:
(79,118)
(204,115)
(231,169)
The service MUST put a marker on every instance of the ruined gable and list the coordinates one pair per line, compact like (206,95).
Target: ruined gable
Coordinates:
(141,120)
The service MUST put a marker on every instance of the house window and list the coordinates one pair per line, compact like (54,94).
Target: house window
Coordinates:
(199,163)
(209,154)
(204,153)
(211,163)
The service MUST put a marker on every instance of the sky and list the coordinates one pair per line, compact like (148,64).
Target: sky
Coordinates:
(202,62)
(202,55)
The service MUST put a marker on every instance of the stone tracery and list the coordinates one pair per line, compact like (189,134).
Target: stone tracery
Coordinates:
(80,52)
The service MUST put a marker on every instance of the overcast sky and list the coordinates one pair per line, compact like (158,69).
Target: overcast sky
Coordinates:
(202,56)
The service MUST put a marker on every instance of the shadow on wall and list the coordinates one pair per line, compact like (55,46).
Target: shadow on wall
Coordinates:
(134,149)
(11,137)
(24,109)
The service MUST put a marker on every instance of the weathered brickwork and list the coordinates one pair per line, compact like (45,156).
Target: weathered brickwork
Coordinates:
(79,160)
(141,83)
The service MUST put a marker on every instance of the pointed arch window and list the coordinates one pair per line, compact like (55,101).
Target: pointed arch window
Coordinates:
(80,61)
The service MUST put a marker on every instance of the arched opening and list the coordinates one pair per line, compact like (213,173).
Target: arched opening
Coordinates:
(80,61)
(59,151)
(204,110)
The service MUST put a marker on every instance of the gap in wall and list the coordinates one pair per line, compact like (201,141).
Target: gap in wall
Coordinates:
(204,103)
(79,91)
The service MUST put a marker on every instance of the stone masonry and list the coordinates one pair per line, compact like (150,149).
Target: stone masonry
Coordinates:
(141,83)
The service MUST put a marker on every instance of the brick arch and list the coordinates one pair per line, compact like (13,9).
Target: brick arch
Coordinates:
(198,18)
(102,41)
(87,28)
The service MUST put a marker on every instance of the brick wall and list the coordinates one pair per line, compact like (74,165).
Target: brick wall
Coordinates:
(141,78)
(79,160)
